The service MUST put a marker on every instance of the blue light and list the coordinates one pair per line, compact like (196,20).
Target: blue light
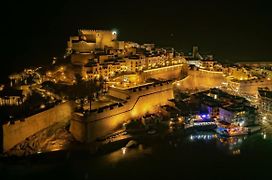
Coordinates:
(203,116)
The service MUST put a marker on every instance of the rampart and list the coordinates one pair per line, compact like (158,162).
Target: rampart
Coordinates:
(202,79)
(168,72)
(89,126)
(14,133)
(250,87)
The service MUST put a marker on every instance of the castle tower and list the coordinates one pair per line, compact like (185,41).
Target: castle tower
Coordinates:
(195,52)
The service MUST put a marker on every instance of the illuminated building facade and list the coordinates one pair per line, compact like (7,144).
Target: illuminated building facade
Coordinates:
(99,54)
(207,64)
(226,107)
(105,70)
(241,115)
(266,100)
(135,63)
(11,97)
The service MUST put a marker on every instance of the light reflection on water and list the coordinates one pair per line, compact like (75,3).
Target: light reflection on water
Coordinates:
(232,145)
(125,153)
(202,136)
(173,154)
(227,145)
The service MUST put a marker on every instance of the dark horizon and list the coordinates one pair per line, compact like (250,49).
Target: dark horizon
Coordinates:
(230,30)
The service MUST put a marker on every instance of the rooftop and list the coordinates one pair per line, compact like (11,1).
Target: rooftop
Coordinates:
(134,57)
(91,64)
(265,93)
(218,98)
(239,108)
(10,92)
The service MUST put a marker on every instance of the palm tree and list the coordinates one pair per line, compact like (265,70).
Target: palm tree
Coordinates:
(85,89)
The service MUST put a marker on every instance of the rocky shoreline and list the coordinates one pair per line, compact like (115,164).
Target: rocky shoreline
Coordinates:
(56,137)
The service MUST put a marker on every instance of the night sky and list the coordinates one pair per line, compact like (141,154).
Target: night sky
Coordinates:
(231,30)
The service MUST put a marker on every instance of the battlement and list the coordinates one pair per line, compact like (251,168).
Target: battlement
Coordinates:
(106,108)
(89,125)
(129,98)
(91,31)
(149,86)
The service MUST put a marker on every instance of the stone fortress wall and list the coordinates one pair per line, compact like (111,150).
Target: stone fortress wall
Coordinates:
(83,46)
(141,100)
(14,133)
(202,79)
(81,58)
(250,87)
(165,73)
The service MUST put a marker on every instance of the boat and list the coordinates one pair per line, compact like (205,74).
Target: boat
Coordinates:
(151,132)
(200,125)
(222,131)
(131,144)
(231,131)
(237,131)
(253,129)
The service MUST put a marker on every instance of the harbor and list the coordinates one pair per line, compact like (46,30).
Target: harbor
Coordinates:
(206,149)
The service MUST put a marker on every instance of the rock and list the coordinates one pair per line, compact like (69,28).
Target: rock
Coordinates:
(43,140)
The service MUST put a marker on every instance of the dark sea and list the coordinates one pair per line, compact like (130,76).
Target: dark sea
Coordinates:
(202,155)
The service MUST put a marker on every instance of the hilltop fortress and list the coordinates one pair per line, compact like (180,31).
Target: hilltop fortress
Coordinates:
(99,54)
(136,79)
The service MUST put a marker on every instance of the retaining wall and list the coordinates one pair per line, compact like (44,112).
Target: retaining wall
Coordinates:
(14,133)
(91,126)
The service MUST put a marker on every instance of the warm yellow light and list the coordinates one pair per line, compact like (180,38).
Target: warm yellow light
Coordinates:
(42,106)
(49,73)
(124,150)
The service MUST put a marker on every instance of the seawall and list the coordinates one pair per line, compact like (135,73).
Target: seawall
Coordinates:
(14,133)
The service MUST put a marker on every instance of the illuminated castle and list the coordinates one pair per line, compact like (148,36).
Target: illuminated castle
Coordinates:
(89,40)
